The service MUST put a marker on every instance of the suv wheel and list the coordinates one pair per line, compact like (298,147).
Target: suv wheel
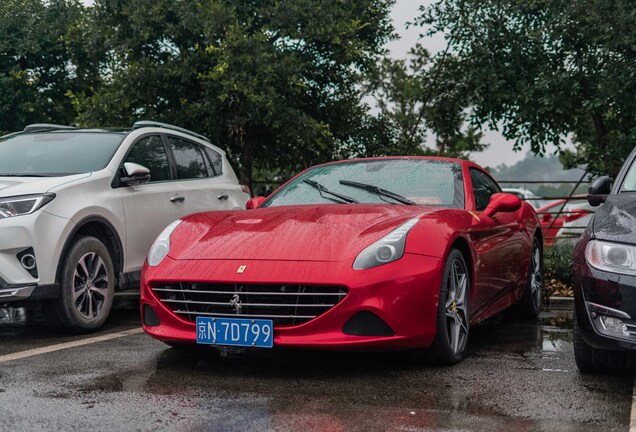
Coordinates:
(87,287)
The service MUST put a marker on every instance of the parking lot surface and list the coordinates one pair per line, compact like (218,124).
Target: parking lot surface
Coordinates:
(518,375)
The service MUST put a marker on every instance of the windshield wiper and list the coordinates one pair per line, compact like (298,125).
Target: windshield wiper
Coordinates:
(378,190)
(323,189)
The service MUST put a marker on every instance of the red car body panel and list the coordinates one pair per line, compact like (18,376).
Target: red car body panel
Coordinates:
(551,224)
(317,244)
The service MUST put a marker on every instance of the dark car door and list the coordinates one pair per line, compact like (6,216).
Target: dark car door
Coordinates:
(498,242)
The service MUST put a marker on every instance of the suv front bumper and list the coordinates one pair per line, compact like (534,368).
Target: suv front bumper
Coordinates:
(43,232)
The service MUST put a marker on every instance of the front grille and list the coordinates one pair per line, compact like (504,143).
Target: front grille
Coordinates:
(286,305)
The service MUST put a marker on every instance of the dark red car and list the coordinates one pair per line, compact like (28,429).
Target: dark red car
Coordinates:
(385,253)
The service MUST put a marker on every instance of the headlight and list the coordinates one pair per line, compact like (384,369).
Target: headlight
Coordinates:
(161,246)
(388,249)
(611,257)
(24,204)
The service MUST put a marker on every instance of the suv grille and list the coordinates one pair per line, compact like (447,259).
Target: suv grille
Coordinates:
(286,305)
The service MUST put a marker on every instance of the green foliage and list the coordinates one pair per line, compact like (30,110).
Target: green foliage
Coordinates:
(274,82)
(558,262)
(35,61)
(544,69)
(421,95)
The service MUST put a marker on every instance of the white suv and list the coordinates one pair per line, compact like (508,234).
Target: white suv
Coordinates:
(79,209)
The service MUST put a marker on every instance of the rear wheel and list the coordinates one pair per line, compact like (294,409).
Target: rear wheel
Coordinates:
(593,360)
(532,299)
(453,312)
(87,287)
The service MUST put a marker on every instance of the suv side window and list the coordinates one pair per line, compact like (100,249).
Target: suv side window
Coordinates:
(483,188)
(217,161)
(190,158)
(150,152)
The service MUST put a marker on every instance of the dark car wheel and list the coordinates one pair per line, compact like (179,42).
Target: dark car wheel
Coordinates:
(453,312)
(532,299)
(593,360)
(87,287)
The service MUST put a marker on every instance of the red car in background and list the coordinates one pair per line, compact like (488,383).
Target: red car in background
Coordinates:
(555,215)
(384,253)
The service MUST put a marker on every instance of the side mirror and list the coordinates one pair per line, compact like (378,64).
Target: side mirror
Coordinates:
(598,191)
(502,202)
(135,174)
(253,203)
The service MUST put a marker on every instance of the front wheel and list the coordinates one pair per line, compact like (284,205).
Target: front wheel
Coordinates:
(453,312)
(87,287)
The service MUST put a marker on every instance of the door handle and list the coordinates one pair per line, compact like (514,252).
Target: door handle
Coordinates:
(177,199)
(223,197)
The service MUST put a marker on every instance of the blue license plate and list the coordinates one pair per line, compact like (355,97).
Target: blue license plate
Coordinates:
(235,331)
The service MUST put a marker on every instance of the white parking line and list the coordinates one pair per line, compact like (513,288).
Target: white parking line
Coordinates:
(632,421)
(66,345)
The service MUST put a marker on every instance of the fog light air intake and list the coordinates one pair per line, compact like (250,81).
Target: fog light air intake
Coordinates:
(27,260)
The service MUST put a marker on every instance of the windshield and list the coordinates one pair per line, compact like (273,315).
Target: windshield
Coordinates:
(422,181)
(59,153)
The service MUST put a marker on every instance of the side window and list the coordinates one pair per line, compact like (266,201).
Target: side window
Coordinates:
(190,159)
(483,188)
(150,152)
(217,161)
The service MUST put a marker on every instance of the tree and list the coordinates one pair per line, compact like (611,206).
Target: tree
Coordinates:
(544,69)
(35,62)
(274,82)
(421,95)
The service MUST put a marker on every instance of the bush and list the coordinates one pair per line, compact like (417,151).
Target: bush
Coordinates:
(558,269)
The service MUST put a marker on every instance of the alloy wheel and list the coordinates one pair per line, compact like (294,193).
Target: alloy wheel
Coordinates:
(536,276)
(90,285)
(456,316)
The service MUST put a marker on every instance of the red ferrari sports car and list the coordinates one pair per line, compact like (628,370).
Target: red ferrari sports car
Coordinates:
(383,253)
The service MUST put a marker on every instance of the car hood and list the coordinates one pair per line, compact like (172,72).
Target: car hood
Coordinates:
(616,219)
(14,186)
(300,233)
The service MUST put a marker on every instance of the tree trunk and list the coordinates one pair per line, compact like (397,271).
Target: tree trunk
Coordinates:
(247,159)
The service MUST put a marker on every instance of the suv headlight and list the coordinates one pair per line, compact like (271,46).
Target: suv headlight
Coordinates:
(611,257)
(23,204)
(388,249)
(160,248)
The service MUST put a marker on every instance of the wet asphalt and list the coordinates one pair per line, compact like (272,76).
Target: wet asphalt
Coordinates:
(519,375)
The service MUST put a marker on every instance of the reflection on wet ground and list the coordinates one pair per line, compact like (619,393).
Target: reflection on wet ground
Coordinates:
(519,375)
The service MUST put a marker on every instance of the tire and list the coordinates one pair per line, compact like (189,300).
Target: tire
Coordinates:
(532,299)
(87,287)
(592,360)
(453,312)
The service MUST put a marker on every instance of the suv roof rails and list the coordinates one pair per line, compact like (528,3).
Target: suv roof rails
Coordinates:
(37,127)
(149,123)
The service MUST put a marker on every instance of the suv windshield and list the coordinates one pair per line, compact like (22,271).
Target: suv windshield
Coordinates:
(57,153)
(421,181)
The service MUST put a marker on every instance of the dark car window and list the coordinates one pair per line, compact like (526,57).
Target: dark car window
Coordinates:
(483,188)
(191,161)
(423,181)
(216,160)
(150,152)
(57,153)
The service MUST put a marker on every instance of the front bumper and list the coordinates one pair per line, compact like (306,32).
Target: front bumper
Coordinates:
(404,294)
(605,308)
(20,293)
(43,233)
